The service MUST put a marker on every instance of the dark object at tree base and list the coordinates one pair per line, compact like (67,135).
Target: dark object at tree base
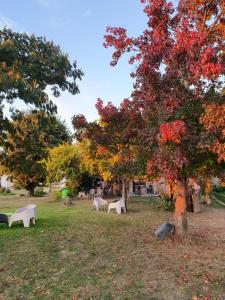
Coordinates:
(68,202)
(163,230)
(190,204)
(3,218)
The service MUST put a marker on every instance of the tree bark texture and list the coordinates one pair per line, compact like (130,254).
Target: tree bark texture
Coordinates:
(181,208)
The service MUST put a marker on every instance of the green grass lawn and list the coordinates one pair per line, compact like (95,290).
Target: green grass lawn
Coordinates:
(220,196)
(218,199)
(77,253)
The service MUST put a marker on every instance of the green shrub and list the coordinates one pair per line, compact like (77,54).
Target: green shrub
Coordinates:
(167,203)
(73,192)
(39,192)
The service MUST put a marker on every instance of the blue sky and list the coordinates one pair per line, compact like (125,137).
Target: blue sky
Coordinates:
(78,27)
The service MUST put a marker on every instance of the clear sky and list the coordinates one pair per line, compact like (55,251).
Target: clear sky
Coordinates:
(78,27)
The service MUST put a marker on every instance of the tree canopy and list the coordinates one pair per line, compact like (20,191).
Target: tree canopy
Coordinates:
(111,146)
(26,143)
(180,63)
(28,65)
(179,68)
(63,162)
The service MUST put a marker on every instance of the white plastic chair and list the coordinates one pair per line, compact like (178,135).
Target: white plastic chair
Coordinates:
(98,202)
(24,214)
(33,212)
(99,192)
(91,193)
(82,195)
(118,206)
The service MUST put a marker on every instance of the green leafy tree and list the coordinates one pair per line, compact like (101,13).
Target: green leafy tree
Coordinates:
(64,162)
(26,143)
(28,65)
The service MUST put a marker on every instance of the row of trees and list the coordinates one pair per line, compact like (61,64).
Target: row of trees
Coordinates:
(173,124)
(38,149)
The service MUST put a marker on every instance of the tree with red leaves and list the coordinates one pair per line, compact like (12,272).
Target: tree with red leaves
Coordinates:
(179,67)
(114,141)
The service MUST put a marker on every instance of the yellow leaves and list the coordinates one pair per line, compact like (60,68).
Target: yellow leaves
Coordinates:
(115,158)
(106,175)
(13,74)
(17,76)
(208,187)
(88,160)
(60,159)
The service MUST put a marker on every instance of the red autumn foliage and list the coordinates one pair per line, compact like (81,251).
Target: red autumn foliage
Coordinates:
(172,131)
(179,61)
(213,120)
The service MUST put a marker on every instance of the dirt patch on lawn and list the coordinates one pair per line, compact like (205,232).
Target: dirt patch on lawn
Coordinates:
(212,218)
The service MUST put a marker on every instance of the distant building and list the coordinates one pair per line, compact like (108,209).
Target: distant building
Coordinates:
(142,188)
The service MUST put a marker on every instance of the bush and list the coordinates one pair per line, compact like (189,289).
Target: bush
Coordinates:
(39,192)
(167,203)
(73,192)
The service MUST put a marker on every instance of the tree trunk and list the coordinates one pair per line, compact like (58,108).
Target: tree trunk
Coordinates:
(196,204)
(208,190)
(181,208)
(124,191)
(171,192)
(30,191)
(208,199)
